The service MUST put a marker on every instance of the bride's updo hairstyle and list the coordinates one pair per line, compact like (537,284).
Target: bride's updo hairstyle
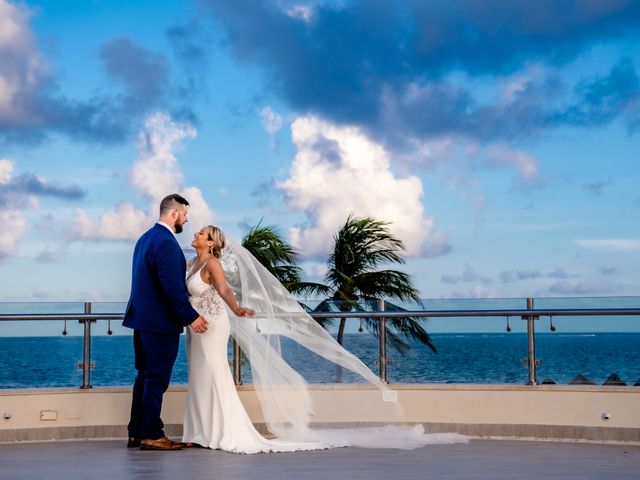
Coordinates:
(217,237)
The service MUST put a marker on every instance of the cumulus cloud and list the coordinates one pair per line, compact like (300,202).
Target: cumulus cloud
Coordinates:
(338,171)
(125,222)
(154,175)
(32,106)
(22,70)
(31,184)
(156,172)
(18,195)
(409,68)
(14,225)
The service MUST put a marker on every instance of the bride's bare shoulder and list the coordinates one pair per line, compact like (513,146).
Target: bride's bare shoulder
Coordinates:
(213,264)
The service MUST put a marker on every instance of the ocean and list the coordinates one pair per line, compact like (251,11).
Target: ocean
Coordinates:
(480,358)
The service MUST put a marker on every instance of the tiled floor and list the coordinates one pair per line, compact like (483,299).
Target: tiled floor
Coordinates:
(480,459)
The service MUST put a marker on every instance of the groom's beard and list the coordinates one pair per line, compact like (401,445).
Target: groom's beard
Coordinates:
(177,227)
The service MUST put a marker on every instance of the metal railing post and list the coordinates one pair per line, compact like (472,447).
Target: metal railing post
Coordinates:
(86,351)
(382,337)
(531,340)
(237,363)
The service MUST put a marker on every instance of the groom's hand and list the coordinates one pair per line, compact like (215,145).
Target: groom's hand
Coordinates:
(199,325)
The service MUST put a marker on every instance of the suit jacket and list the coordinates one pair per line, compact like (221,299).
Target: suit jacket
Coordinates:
(159,300)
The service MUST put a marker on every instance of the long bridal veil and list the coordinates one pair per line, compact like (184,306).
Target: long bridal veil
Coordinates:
(285,398)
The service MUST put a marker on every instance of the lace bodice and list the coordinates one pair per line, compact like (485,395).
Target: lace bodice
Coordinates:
(204,298)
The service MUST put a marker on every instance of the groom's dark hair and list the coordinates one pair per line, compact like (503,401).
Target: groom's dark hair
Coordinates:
(172,201)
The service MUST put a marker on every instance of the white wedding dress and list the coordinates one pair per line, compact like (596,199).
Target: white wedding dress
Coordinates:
(214,416)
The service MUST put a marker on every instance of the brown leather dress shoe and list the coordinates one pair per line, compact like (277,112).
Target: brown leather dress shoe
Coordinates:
(133,442)
(160,444)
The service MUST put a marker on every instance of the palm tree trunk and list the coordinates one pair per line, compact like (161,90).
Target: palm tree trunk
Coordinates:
(343,321)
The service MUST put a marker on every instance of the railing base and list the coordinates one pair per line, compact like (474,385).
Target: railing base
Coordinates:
(562,433)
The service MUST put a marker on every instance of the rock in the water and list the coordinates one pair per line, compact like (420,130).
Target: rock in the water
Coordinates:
(614,379)
(581,380)
(548,381)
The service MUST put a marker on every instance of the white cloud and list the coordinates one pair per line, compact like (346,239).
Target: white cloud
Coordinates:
(612,244)
(430,152)
(199,212)
(316,270)
(338,171)
(14,226)
(6,170)
(125,222)
(301,12)
(19,196)
(155,174)
(271,121)
(526,165)
(21,68)
(13,221)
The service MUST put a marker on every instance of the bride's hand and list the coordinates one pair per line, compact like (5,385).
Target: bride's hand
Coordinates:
(244,312)
(199,325)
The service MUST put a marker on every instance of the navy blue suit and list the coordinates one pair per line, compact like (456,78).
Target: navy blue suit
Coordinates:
(157,311)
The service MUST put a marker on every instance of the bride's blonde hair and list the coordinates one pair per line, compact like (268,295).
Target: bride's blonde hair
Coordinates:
(217,237)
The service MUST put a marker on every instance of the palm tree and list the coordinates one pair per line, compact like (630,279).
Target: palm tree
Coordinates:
(274,253)
(354,280)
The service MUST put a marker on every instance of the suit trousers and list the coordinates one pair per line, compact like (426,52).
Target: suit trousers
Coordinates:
(155,355)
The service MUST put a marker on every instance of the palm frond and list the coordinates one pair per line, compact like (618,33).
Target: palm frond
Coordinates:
(269,247)
(325,306)
(355,277)
(308,289)
(393,339)
(386,284)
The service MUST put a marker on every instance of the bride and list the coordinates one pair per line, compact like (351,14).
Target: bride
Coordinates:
(225,273)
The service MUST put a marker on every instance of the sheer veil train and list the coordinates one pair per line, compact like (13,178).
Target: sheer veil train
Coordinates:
(284,395)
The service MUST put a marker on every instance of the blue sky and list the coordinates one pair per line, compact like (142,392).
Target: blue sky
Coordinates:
(500,139)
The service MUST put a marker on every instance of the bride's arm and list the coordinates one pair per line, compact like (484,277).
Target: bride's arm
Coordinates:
(217,281)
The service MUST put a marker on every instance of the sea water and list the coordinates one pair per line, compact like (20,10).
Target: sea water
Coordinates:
(39,362)
(35,354)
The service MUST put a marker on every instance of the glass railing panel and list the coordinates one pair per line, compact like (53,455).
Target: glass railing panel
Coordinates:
(470,350)
(40,328)
(594,347)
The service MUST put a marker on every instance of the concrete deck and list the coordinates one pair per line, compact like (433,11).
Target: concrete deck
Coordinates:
(480,459)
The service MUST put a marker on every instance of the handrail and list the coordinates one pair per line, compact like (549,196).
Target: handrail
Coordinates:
(539,312)
(62,316)
(530,314)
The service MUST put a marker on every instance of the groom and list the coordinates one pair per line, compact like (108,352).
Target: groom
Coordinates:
(157,311)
